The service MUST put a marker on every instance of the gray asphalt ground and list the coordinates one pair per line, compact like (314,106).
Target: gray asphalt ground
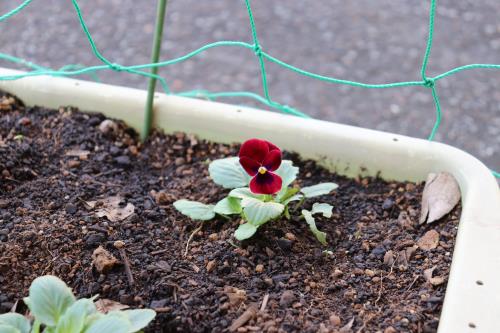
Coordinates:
(365,40)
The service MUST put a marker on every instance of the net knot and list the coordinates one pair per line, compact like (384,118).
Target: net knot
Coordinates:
(428,82)
(116,67)
(257,50)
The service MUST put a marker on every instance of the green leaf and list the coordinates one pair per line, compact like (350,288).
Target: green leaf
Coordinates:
(286,213)
(139,318)
(245,193)
(296,197)
(228,206)
(245,231)
(91,319)
(195,210)
(287,172)
(322,208)
(258,212)
(228,173)
(73,320)
(321,236)
(36,326)
(49,297)
(19,322)
(286,193)
(109,323)
(319,189)
(8,329)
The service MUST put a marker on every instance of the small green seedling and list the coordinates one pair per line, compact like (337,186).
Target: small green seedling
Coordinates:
(55,310)
(261,190)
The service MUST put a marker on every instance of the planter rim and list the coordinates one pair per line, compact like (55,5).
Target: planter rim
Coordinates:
(472,300)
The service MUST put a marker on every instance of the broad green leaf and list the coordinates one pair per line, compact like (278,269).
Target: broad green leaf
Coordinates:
(49,297)
(228,206)
(8,329)
(91,320)
(286,193)
(228,173)
(245,231)
(36,326)
(321,236)
(245,193)
(322,208)
(287,172)
(73,320)
(258,212)
(195,210)
(319,189)
(109,324)
(139,318)
(295,197)
(19,322)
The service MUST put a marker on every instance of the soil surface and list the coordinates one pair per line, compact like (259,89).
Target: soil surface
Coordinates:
(72,182)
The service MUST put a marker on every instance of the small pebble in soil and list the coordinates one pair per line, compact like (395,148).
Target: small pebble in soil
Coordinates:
(287,298)
(71,208)
(335,320)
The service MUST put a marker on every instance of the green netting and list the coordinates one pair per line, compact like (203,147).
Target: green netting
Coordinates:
(262,56)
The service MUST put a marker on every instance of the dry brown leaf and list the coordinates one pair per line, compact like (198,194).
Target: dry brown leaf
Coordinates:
(104,305)
(110,207)
(102,260)
(441,194)
(429,240)
(435,281)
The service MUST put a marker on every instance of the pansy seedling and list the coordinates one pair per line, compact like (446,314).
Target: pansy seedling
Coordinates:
(53,306)
(261,191)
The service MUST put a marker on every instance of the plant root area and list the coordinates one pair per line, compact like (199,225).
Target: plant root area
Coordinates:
(81,198)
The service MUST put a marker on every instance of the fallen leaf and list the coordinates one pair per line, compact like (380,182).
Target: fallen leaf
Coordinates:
(102,260)
(435,281)
(111,208)
(441,194)
(104,305)
(429,240)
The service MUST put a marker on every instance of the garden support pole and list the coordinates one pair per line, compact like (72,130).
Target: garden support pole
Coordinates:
(155,57)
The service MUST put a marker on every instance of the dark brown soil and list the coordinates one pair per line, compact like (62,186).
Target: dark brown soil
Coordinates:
(373,277)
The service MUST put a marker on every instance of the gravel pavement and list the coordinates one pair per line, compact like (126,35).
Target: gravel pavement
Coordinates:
(364,40)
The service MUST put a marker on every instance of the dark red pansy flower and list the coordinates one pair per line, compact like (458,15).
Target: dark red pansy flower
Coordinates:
(260,158)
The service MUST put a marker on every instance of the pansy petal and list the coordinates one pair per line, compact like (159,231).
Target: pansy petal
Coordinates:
(250,166)
(255,149)
(272,146)
(267,183)
(272,160)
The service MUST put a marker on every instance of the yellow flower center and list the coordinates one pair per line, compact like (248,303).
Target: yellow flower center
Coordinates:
(262,170)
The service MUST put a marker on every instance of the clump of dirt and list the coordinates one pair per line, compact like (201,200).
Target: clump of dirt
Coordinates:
(59,169)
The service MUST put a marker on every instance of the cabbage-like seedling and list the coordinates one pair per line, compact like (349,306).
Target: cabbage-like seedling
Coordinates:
(261,190)
(55,308)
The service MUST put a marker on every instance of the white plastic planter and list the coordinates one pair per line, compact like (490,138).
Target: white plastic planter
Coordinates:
(472,302)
